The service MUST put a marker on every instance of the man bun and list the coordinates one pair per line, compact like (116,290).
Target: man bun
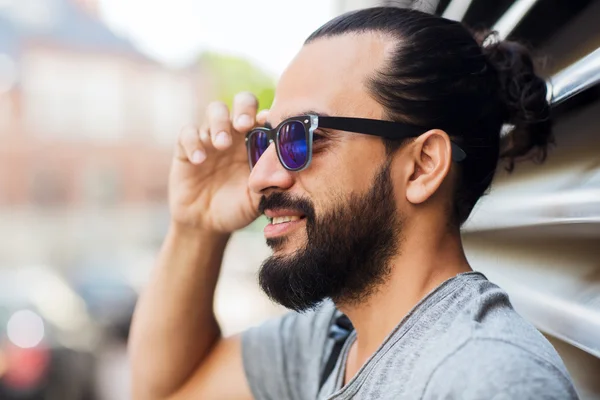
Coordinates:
(523,98)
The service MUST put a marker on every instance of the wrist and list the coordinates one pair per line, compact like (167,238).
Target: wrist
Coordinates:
(192,234)
(198,253)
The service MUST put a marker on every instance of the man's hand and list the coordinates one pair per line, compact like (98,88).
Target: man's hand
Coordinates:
(176,347)
(208,185)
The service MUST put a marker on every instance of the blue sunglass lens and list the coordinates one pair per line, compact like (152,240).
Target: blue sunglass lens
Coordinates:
(293,146)
(259,142)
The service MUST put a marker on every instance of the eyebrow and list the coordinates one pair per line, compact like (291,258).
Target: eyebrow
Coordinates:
(305,112)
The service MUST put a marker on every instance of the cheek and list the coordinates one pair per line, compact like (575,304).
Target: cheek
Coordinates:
(322,188)
(357,161)
(348,166)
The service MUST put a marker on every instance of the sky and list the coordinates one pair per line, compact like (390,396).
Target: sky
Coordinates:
(268,32)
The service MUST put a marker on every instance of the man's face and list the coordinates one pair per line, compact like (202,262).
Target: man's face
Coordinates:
(345,220)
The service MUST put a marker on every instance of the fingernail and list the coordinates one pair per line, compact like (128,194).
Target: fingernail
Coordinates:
(244,120)
(198,156)
(222,139)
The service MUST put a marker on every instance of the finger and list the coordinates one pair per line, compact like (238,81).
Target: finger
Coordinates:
(219,125)
(205,136)
(262,117)
(245,106)
(205,140)
(189,147)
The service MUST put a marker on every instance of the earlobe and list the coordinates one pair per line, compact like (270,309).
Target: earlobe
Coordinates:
(432,159)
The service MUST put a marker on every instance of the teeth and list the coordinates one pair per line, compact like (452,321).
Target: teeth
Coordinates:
(281,220)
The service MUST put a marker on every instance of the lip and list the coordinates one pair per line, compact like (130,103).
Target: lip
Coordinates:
(273,231)
(282,212)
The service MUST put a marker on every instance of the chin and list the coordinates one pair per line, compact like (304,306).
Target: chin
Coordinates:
(284,245)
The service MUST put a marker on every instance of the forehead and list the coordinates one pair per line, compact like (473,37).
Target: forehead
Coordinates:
(330,75)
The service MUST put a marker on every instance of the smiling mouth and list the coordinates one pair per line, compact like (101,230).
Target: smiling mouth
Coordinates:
(284,219)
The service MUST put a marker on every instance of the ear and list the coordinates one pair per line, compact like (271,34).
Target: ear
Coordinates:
(432,159)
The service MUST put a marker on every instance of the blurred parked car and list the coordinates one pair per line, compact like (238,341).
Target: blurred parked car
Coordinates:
(47,339)
(109,296)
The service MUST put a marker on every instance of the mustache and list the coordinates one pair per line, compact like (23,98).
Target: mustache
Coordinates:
(286,201)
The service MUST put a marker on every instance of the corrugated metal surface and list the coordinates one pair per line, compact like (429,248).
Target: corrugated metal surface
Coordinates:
(537,234)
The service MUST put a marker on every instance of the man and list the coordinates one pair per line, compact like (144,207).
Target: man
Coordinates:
(384,133)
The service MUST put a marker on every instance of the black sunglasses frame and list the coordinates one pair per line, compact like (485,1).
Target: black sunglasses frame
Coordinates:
(310,123)
(385,129)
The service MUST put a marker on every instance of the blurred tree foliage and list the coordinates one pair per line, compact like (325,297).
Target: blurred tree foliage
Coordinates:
(231,75)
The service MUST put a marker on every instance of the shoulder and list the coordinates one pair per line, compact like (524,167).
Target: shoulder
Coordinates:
(282,357)
(306,327)
(488,349)
(489,367)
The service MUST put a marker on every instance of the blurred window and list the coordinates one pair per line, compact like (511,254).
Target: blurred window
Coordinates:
(172,106)
(48,94)
(137,101)
(8,74)
(6,111)
(71,96)
(102,100)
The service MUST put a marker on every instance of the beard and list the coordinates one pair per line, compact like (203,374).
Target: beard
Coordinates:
(347,253)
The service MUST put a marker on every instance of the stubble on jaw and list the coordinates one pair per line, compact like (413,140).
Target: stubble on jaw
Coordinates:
(347,251)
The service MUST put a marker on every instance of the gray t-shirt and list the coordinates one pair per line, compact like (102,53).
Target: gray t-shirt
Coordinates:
(462,341)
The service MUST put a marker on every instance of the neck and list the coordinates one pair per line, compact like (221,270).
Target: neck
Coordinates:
(426,262)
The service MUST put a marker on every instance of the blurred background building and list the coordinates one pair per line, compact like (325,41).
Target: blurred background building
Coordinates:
(92,96)
(88,122)
(87,125)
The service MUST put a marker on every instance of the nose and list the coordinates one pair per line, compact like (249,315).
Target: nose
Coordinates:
(268,173)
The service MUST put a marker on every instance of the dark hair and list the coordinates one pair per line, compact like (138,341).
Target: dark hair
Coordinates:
(442,75)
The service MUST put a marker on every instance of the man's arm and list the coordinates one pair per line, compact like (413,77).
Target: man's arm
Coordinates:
(176,347)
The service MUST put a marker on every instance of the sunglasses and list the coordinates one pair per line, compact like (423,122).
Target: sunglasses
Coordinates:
(293,137)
